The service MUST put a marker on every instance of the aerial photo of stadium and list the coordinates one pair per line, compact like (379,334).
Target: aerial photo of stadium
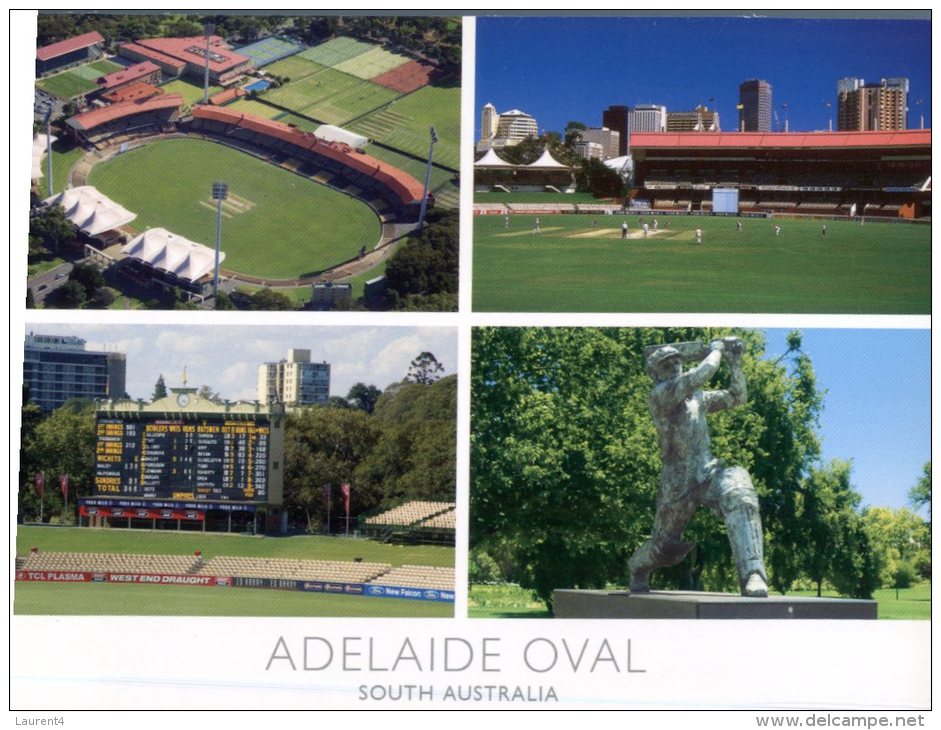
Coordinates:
(793,206)
(241,162)
(277,498)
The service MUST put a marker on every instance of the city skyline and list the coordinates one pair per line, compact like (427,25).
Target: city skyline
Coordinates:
(226,359)
(684,62)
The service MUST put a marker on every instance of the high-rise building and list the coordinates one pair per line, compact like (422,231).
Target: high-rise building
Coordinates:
(626,120)
(648,118)
(863,107)
(617,118)
(57,368)
(506,129)
(488,122)
(609,141)
(700,119)
(754,98)
(295,381)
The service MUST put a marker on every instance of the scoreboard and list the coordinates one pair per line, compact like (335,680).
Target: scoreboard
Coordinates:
(211,459)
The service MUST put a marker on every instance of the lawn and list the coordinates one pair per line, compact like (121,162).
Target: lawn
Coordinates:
(330,96)
(580,263)
(63,158)
(275,224)
(294,68)
(76,81)
(110,599)
(190,92)
(404,124)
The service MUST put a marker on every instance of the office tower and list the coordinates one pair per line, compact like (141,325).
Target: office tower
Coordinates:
(863,107)
(754,98)
(57,368)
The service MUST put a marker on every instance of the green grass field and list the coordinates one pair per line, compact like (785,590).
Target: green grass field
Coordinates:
(877,268)
(404,123)
(331,96)
(294,68)
(510,601)
(190,92)
(275,224)
(372,63)
(80,80)
(137,600)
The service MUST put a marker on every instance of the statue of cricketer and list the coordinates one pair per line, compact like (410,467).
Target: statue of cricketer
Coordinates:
(691,476)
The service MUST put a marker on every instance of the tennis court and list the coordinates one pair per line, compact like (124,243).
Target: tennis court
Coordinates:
(374,62)
(336,51)
(269,50)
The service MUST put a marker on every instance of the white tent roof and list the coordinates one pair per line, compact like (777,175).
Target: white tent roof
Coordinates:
(338,134)
(492,159)
(39,152)
(547,160)
(90,210)
(160,249)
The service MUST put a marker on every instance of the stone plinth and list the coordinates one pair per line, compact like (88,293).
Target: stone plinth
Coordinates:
(697,605)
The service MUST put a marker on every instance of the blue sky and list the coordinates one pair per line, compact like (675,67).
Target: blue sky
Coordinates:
(561,68)
(877,404)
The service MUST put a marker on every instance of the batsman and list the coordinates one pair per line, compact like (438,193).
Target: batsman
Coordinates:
(691,476)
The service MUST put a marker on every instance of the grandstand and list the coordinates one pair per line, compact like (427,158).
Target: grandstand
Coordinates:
(366,175)
(115,123)
(414,521)
(884,174)
(227,570)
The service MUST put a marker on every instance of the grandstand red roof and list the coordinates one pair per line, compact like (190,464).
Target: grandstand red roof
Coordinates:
(192,50)
(768,140)
(155,55)
(127,75)
(224,97)
(132,92)
(54,50)
(97,117)
(406,187)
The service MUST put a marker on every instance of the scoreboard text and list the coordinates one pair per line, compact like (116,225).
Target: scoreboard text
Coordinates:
(168,459)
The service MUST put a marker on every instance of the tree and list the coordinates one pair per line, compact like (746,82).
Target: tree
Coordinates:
(207,393)
(364,396)
(30,298)
(30,417)
(70,295)
(424,369)
(324,446)
(64,443)
(901,540)
(565,463)
(52,228)
(920,494)
(160,389)
(415,455)
(426,266)
(268,300)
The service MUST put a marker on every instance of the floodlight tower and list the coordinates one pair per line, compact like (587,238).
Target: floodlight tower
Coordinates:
(220,192)
(208,29)
(48,123)
(424,197)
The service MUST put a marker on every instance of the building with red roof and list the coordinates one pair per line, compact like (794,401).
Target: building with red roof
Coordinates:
(78,49)
(188,57)
(146,71)
(132,92)
(399,189)
(884,173)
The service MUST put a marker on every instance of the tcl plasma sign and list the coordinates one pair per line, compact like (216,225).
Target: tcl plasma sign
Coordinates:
(175,459)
